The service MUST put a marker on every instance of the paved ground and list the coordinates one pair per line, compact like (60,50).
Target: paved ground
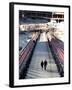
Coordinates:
(42,52)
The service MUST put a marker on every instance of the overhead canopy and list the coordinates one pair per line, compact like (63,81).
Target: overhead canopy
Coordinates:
(35,14)
(40,16)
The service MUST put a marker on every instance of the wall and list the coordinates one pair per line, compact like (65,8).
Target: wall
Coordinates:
(4,44)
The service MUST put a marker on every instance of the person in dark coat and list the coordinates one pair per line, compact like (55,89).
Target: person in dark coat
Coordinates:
(45,65)
(42,64)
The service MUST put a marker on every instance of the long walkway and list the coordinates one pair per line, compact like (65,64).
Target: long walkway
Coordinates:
(42,52)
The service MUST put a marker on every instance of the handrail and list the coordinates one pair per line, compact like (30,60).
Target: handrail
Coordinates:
(25,52)
(62,61)
(24,47)
(58,49)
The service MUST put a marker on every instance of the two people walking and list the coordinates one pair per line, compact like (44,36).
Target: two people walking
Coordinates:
(44,64)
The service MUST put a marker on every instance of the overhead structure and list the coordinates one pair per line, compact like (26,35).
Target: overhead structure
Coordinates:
(37,20)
